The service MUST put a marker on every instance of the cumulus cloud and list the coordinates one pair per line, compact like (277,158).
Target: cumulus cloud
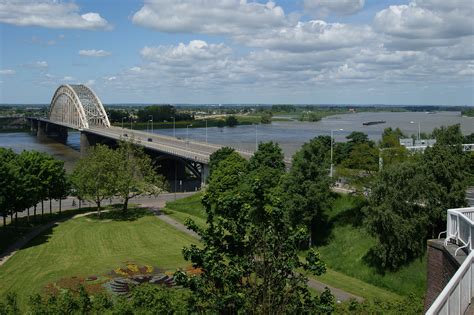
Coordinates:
(7,72)
(68,78)
(209,16)
(50,14)
(425,23)
(195,51)
(324,7)
(94,53)
(311,35)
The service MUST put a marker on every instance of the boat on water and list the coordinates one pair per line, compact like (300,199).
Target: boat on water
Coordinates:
(370,123)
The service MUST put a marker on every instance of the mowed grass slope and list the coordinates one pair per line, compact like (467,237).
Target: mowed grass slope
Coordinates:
(345,243)
(348,243)
(85,247)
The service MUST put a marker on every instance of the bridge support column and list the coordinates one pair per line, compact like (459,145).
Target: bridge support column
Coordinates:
(85,144)
(204,174)
(41,133)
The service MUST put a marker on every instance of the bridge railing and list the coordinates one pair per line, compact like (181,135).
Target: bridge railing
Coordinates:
(458,293)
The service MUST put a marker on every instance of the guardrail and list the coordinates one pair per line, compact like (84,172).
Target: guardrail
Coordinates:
(458,293)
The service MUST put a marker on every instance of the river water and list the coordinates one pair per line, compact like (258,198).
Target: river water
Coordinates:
(290,135)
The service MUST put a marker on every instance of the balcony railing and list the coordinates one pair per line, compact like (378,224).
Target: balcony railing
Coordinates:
(458,293)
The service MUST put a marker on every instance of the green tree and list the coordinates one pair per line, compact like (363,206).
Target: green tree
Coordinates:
(231,121)
(357,137)
(136,175)
(307,185)
(391,137)
(95,176)
(9,172)
(266,117)
(450,135)
(249,250)
(397,215)
(218,156)
(447,168)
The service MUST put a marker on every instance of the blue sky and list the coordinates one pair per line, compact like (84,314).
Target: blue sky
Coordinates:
(209,51)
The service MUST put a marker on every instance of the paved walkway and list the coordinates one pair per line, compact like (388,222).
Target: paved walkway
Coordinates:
(155,204)
(312,283)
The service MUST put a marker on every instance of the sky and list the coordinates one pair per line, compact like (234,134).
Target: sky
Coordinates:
(413,52)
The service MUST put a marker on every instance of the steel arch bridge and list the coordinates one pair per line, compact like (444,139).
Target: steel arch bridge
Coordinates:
(77,106)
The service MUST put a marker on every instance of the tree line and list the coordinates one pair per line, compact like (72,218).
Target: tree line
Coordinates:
(31,177)
(27,179)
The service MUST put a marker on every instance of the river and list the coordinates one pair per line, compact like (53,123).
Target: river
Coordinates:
(290,135)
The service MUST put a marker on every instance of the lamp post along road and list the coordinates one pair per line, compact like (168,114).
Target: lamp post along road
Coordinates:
(187,134)
(419,129)
(174,127)
(122,123)
(151,123)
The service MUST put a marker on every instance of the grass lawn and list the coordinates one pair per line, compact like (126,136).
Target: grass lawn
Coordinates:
(86,246)
(347,245)
(343,250)
(189,207)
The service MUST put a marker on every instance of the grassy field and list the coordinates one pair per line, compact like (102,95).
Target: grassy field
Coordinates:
(344,245)
(87,246)
(348,243)
(189,207)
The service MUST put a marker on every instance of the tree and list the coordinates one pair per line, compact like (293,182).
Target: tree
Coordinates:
(95,176)
(9,172)
(249,250)
(397,215)
(357,137)
(267,164)
(447,168)
(363,157)
(231,121)
(450,135)
(218,156)
(266,117)
(307,185)
(136,175)
(391,137)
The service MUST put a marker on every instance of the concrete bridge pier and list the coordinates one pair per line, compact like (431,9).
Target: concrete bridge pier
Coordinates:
(85,143)
(204,174)
(41,131)
(33,125)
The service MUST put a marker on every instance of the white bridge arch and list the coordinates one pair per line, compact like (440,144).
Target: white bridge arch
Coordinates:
(78,106)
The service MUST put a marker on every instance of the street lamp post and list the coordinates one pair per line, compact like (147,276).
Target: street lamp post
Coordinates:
(174,127)
(187,134)
(151,123)
(419,129)
(331,170)
(122,123)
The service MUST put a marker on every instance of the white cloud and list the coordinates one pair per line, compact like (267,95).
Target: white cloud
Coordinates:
(50,14)
(135,69)
(195,51)
(112,78)
(425,23)
(311,35)
(209,16)
(68,78)
(7,72)
(94,53)
(40,64)
(324,7)
(90,82)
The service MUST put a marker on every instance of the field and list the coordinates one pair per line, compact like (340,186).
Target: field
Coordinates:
(87,246)
(344,244)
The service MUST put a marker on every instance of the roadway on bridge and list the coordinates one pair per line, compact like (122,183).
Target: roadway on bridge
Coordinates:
(192,150)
